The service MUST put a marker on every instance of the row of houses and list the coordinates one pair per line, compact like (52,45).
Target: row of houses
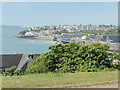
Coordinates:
(73,28)
(105,37)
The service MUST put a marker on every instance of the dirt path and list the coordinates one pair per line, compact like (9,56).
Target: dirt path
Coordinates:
(85,85)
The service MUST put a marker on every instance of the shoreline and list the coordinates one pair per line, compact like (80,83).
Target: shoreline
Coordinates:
(113,47)
(45,38)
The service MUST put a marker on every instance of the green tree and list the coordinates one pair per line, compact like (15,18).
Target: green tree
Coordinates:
(72,57)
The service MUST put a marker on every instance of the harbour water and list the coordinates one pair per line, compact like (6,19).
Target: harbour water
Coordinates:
(12,45)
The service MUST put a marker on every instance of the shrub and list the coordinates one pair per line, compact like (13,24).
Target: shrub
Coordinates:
(116,66)
(72,57)
(115,60)
(9,71)
(37,65)
(109,69)
(18,73)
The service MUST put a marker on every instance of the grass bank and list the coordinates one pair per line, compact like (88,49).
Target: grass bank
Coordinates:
(51,79)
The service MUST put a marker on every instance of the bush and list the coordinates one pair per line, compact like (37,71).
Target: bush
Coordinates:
(18,73)
(72,57)
(116,57)
(116,66)
(9,71)
(37,65)
(109,69)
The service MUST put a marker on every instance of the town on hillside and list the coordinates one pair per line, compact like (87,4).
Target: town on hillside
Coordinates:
(82,34)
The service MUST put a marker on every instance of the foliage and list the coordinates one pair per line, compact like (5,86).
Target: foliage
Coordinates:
(19,73)
(9,71)
(23,32)
(115,56)
(109,69)
(37,66)
(72,57)
(116,66)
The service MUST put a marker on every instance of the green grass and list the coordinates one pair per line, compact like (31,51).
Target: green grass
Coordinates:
(51,79)
(0,82)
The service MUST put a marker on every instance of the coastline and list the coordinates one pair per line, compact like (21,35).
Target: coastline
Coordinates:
(46,38)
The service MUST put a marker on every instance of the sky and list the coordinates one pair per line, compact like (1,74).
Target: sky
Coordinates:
(59,13)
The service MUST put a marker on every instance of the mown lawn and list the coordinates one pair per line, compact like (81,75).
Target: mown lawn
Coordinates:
(0,82)
(51,79)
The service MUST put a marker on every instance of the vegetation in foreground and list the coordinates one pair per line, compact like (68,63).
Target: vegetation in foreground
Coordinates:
(57,79)
(71,57)
(67,64)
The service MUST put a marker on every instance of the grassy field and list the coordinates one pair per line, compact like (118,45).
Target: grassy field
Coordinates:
(0,82)
(51,79)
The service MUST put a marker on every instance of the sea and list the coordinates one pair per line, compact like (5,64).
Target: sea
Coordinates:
(13,45)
